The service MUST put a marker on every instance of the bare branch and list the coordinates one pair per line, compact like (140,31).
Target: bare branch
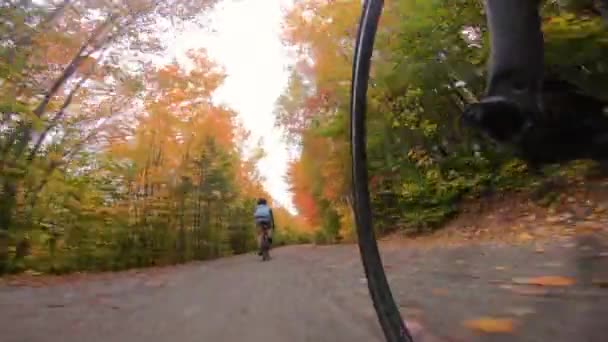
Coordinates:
(58,116)
(76,61)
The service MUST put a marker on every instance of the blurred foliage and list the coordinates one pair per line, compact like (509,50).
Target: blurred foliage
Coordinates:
(429,62)
(107,165)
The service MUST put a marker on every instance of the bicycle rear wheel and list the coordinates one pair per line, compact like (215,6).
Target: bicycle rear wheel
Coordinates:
(265,247)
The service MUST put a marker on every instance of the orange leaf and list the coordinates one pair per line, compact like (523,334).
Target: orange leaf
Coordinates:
(440,292)
(525,236)
(491,325)
(546,281)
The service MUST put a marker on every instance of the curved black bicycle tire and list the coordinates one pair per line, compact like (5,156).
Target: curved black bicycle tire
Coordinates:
(387,311)
(265,247)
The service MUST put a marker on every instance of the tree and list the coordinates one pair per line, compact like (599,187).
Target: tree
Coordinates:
(428,64)
(108,160)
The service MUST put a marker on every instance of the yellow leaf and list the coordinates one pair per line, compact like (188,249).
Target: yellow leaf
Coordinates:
(32,272)
(491,325)
(525,236)
(546,281)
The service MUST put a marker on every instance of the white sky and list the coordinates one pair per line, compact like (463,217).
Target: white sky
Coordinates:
(246,41)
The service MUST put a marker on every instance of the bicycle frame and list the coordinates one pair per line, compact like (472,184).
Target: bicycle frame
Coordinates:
(265,244)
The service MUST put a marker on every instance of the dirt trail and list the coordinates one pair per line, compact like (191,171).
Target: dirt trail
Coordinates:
(310,293)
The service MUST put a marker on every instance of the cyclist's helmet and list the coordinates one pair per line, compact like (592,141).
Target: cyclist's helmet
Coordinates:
(262,201)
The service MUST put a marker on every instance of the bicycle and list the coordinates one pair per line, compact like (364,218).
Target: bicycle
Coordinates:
(265,243)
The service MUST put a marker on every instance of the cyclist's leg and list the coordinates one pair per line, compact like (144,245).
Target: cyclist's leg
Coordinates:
(269,234)
(259,228)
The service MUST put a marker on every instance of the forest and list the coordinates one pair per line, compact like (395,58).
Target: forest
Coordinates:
(110,159)
(113,159)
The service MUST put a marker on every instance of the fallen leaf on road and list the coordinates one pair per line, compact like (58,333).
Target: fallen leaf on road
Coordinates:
(414,327)
(525,236)
(419,332)
(520,311)
(545,281)
(491,325)
(440,292)
(525,290)
(32,273)
(589,228)
(603,283)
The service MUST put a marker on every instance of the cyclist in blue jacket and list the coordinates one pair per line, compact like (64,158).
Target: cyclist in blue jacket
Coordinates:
(263,217)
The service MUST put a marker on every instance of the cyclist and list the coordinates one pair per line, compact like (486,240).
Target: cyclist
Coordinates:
(263,217)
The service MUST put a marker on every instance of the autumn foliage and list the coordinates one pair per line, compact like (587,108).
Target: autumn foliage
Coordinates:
(429,62)
(109,159)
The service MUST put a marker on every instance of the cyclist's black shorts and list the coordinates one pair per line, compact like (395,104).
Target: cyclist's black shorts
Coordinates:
(262,223)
